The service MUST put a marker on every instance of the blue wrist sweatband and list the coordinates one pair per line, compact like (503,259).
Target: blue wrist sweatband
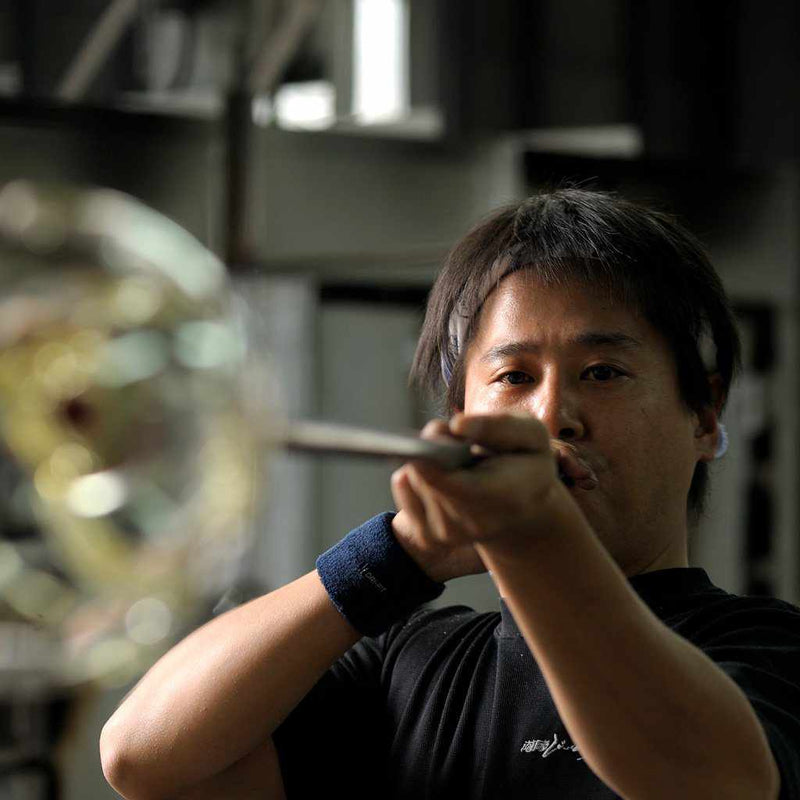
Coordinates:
(371,580)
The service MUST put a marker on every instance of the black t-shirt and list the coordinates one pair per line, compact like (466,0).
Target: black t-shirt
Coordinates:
(451,704)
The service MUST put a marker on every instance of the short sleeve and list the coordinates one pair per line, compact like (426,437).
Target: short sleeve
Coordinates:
(334,742)
(757,643)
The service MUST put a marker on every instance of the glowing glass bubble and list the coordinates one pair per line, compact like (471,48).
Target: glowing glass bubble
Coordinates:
(120,407)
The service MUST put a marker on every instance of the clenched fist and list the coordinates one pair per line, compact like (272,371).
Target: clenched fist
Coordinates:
(510,493)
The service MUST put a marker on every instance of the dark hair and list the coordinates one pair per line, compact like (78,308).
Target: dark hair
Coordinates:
(640,257)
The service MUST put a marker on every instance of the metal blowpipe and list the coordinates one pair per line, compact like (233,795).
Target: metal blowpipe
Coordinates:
(337,439)
(334,438)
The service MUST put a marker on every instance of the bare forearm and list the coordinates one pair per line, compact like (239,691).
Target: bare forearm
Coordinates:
(220,693)
(648,711)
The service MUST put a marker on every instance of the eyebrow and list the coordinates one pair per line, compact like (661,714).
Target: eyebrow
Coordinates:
(615,339)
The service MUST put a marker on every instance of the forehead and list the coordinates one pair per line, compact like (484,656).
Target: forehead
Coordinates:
(525,307)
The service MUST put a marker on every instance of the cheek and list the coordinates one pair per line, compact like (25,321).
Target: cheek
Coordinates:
(661,443)
(477,398)
(636,439)
(477,404)
(486,400)
(469,398)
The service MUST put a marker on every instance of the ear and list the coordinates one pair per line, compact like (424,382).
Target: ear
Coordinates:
(707,432)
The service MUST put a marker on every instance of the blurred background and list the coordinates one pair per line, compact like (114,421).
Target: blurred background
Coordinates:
(330,151)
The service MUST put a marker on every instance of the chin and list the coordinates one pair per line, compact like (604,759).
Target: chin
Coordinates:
(601,520)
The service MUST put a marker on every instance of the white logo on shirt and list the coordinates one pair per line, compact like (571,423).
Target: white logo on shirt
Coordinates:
(547,746)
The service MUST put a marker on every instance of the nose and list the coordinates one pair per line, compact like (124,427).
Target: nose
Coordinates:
(557,406)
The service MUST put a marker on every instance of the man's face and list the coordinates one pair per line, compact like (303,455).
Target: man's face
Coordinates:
(601,377)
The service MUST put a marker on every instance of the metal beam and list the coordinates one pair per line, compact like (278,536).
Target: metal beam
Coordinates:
(281,45)
(96,48)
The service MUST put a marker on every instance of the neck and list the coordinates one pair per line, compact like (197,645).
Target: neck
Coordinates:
(673,554)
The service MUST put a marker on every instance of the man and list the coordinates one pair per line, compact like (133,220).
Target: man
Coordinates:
(586,348)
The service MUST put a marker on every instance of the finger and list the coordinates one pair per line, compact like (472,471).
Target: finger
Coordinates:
(436,429)
(572,467)
(437,509)
(432,480)
(502,432)
(406,499)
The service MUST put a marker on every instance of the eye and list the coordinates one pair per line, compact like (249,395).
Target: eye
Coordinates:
(602,373)
(515,377)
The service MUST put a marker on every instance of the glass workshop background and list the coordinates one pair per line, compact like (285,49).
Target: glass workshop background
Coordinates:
(330,151)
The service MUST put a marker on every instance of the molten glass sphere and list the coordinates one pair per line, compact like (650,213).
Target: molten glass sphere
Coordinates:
(128,478)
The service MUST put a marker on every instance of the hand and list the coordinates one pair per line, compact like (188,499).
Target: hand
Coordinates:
(441,561)
(443,514)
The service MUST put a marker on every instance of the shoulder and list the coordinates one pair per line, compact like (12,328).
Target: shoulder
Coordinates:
(436,634)
(719,616)
(415,638)
(755,640)
(687,601)
(446,621)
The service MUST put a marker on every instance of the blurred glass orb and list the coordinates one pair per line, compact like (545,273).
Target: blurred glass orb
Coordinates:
(121,411)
